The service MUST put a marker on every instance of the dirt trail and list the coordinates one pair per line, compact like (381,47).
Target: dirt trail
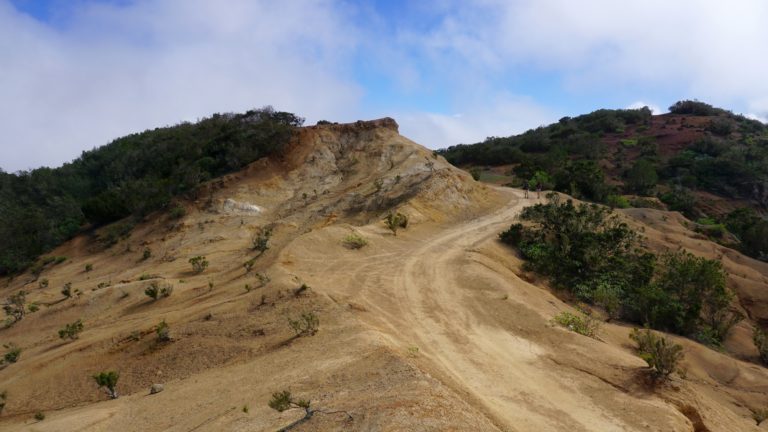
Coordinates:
(433,289)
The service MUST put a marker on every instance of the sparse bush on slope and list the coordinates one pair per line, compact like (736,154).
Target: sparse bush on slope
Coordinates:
(660,353)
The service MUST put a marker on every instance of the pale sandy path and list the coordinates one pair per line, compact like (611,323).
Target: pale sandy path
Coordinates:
(427,291)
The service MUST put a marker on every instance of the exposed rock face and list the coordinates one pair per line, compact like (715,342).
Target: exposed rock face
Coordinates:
(156,388)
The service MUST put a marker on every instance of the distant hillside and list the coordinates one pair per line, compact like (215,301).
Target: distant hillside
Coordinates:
(131,176)
(705,162)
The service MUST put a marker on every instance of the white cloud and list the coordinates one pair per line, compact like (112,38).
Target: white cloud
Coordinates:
(705,49)
(112,70)
(501,117)
(639,104)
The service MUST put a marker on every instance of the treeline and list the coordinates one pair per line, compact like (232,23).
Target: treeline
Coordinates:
(587,250)
(131,176)
(731,160)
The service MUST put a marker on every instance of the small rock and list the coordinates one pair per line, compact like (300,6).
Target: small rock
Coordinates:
(156,388)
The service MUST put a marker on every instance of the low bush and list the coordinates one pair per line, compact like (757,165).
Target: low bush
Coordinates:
(71,331)
(163,331)
(12,355)
(661,355)
(14,307)
(355,241)
(305,325)
(199,264)
(67,290)
(475,172)
(761,343)
(395,221)
(616,201)
(39,416)
(177,212)
(3,400)
(260,241)
(108,381)
(582,324)
(155,291)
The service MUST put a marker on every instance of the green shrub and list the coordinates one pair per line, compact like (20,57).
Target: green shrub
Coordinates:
(761,343)
(475,172)
(155,291)
(249,265)
(33,307)
(355,241)
(14,307)
(146,276)
(199,264)
(617,201)
(177,212)
(589,251)
(147,254)
(642,177)
(395,221)
(108,381)
(305,325)
(163,331)
(3,400)
(282,401)
(759,415)
(261,240)
(263,279)
(12,355)
(67,290)
(88,267)
(43,283)
(582,324)
(71,331)
(661,355)
(39,416)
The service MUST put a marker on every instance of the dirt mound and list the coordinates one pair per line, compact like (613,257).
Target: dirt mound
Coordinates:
(437,328)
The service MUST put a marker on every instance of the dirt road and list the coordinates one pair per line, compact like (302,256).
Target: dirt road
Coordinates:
(445,297)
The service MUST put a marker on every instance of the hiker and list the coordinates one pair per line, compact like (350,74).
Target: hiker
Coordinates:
(525,188)
(538,190)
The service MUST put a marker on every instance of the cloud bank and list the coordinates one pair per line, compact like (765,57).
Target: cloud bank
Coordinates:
(449,71)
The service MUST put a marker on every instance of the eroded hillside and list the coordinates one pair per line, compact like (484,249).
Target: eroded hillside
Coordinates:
(436,328)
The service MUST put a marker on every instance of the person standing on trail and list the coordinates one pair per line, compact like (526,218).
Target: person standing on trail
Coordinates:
(525,188)
(538,190)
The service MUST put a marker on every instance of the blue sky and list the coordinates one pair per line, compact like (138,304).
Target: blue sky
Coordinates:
(75,74)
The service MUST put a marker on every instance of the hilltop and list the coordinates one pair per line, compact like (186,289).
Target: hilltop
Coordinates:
(439,327)
(705,162)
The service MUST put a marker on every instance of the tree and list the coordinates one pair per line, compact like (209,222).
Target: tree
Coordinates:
(108,381)
(283,401)
(642,177)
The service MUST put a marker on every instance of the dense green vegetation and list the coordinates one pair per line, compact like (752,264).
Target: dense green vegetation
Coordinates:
(131,176)
(729,158)
(587,250)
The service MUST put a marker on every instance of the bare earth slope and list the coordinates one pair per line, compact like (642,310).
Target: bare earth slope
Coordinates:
(437,328)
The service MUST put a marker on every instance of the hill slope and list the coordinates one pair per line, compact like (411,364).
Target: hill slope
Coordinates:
(437,328)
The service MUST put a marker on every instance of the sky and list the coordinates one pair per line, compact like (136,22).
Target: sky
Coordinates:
(76,74)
